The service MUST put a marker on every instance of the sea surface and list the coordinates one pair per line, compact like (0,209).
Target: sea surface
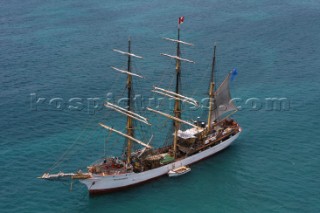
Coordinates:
(55,60)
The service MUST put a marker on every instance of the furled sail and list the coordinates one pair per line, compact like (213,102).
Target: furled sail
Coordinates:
(127,113)
(178,41)
(223,101)
(126,72)
(175,96)
(125,135)
(172,117)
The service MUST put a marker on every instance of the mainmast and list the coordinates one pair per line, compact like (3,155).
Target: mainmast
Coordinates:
(177,103)
(211,91)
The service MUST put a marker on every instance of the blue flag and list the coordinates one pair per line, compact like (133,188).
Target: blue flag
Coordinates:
(234,73)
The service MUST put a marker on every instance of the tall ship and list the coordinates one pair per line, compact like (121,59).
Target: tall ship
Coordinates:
(201,138)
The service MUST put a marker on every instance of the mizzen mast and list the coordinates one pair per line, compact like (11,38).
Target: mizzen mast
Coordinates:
(212,102)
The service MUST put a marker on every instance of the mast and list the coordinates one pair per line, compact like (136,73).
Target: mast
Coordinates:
(130,130)
(211,91)
(177,96)
(128,112)
(177,110)
(177,102)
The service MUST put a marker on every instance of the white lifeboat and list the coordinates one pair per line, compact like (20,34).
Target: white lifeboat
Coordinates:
(179,171)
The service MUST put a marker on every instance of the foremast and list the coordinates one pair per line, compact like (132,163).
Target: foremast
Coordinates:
(129,109)
(130,130)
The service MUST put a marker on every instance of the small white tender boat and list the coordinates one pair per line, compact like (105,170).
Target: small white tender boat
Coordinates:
(179,171)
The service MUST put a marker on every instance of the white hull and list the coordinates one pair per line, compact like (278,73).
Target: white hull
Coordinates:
(99,183)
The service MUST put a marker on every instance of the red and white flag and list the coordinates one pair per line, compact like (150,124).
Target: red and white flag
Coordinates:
(181,19)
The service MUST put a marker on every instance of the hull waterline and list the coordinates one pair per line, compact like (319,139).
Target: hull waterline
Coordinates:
(103,184)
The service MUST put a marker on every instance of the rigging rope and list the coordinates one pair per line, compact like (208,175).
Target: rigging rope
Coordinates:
(63,156)
(84,129)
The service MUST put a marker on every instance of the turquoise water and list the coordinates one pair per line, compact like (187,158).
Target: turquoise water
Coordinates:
(62,49)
